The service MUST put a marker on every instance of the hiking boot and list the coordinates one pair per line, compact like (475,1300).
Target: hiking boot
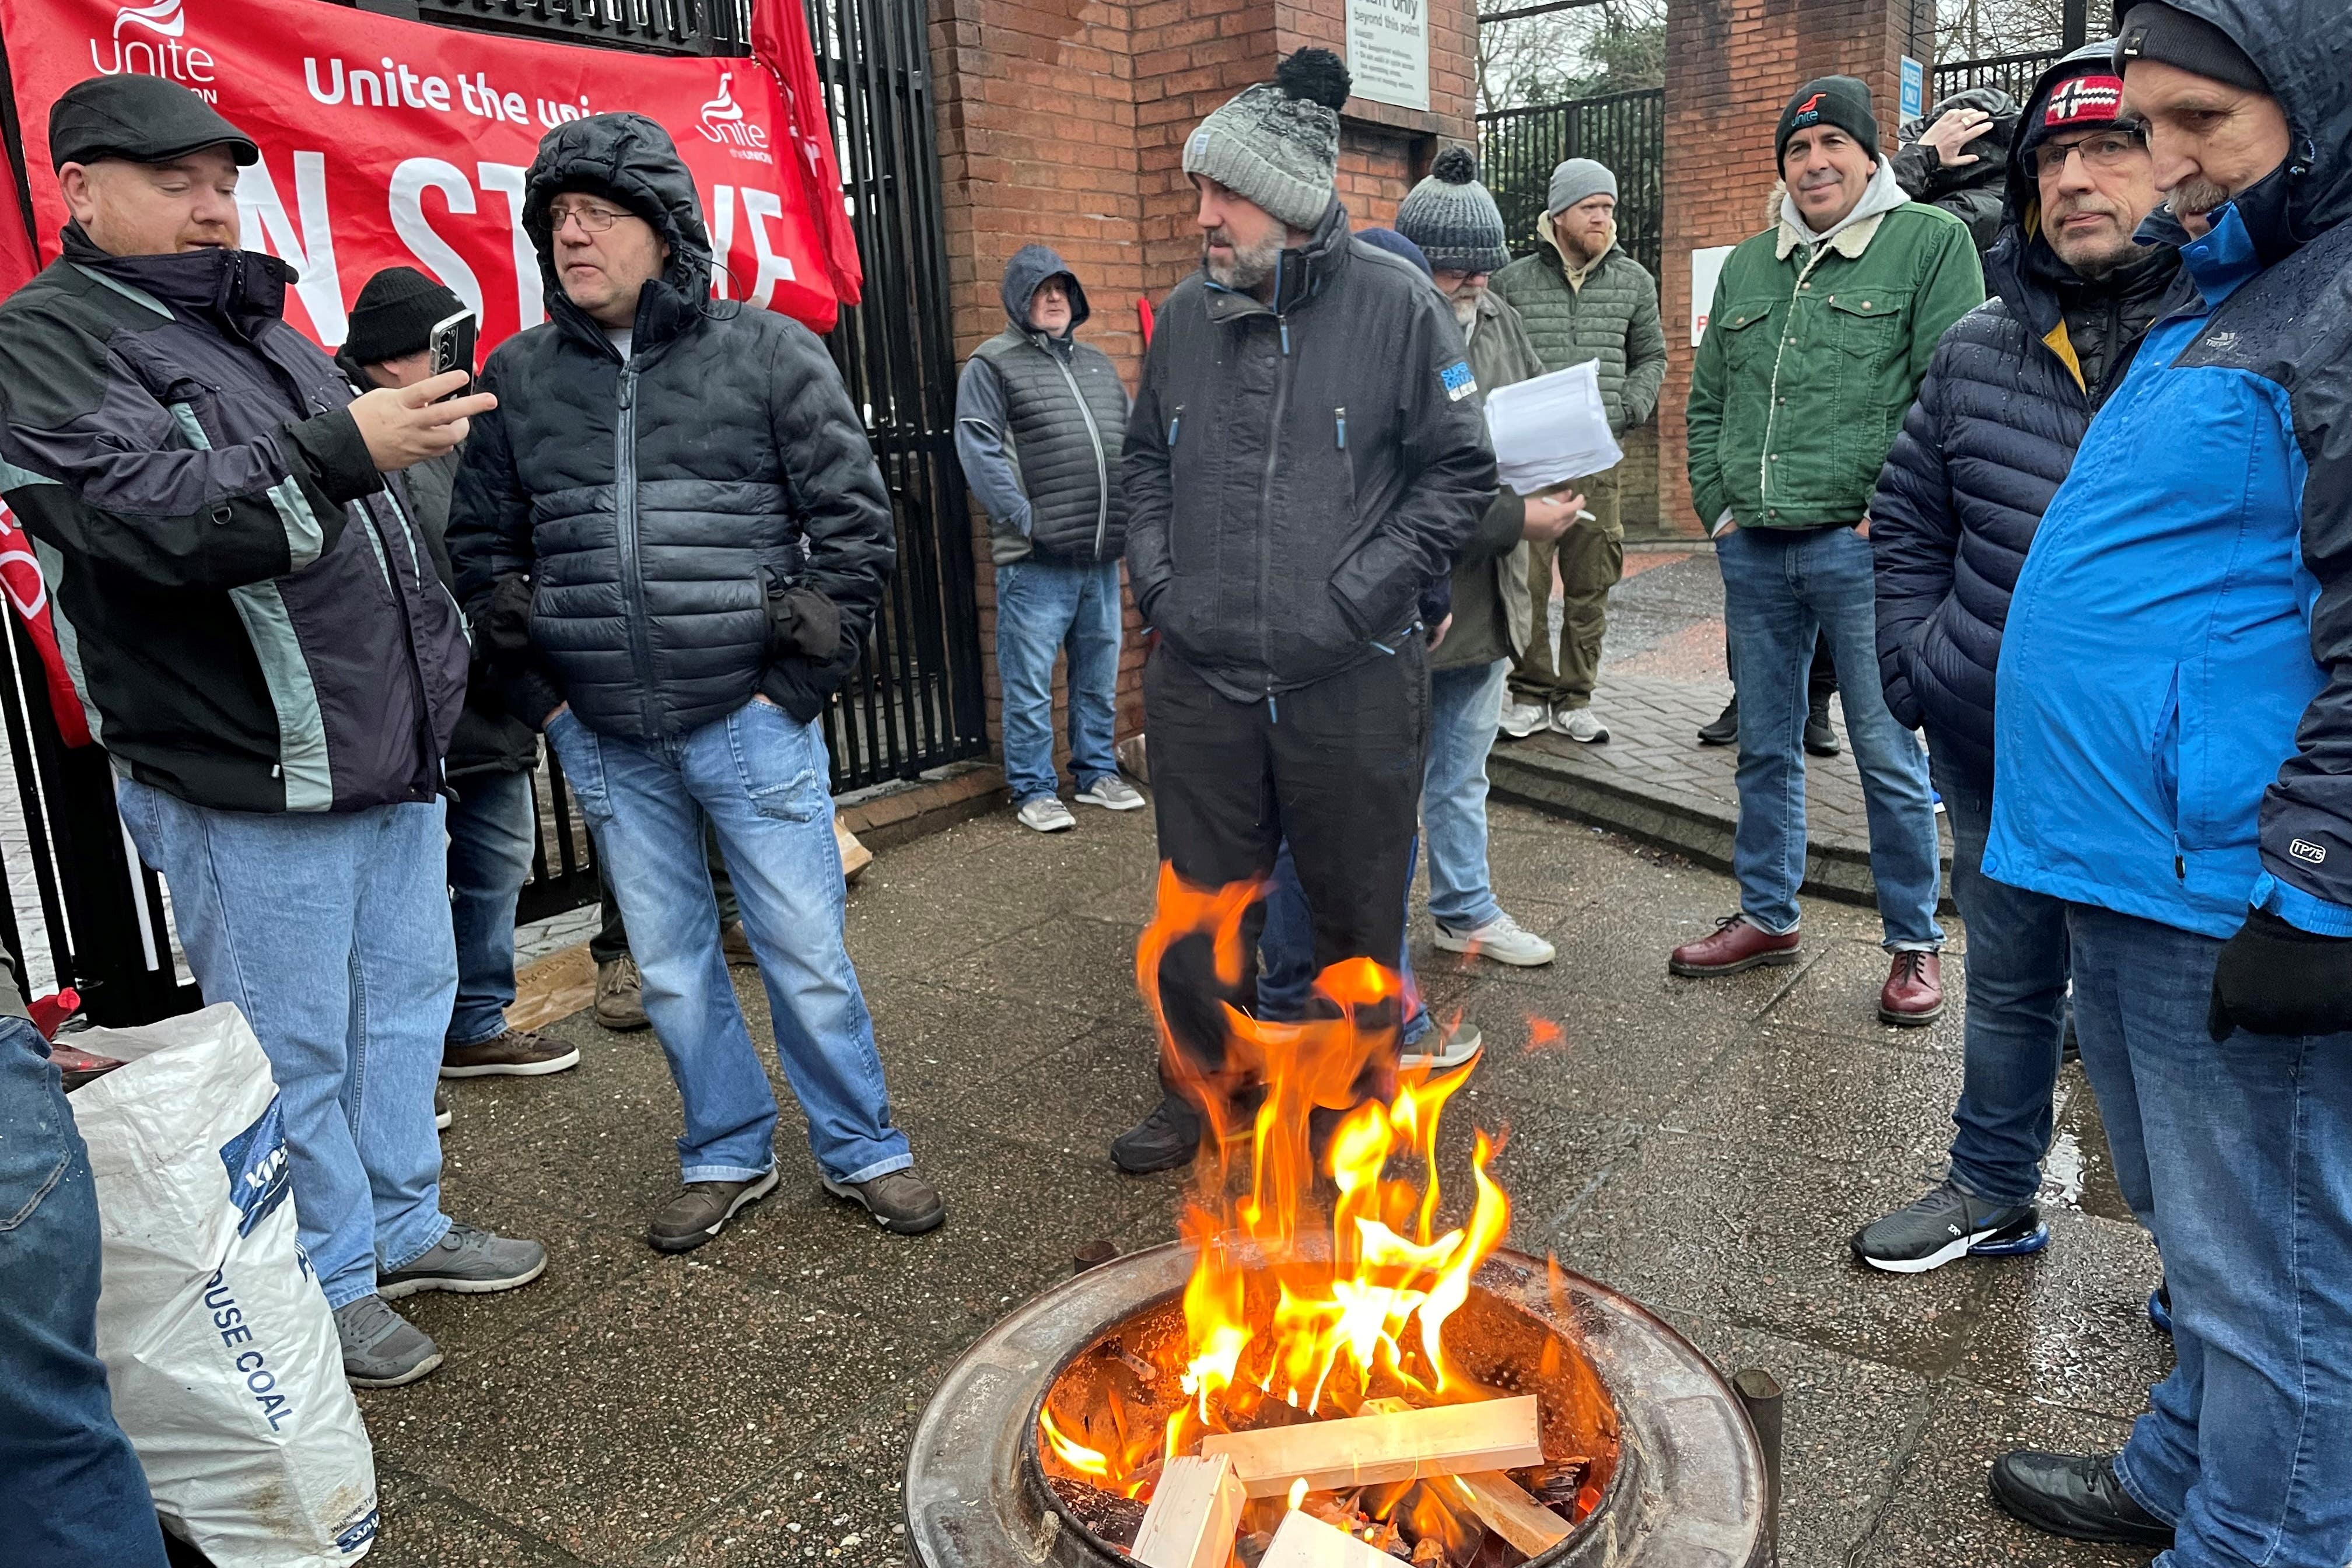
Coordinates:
(901,1202)
(702,1211)
(1520,720)
(1443,1048)
(2076,1496)
(1164,1140)
(1947,1223)
(1738,943)
(1914,992)
(510,1053)
(468,1261)
(1820,741)
(442,1114)
(1502,939)
(621,994)
(381,1348)
(1579,724)
(1112,793)
(736,944)
(1723,729)
(1046,814)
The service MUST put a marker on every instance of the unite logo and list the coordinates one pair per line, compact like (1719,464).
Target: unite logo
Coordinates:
(154,47)
(722,121)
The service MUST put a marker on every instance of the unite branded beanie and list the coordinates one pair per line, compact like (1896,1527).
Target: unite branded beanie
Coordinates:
(1453,218)
(1840,101)
(1277,143)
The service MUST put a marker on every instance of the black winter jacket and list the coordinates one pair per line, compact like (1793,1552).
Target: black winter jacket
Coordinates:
(653,503)
(2006,398)
(1298,472)
(1973,193)
(250,619)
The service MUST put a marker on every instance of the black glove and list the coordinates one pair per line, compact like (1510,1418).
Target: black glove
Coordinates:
(505,628)
(2278,979)
(802,622)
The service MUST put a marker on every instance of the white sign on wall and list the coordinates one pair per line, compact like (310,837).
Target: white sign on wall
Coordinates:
(1706,269)
(1388,51)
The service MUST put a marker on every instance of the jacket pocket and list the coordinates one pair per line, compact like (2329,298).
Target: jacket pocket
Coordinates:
(2164,758)
(1747,335)
(1869,323)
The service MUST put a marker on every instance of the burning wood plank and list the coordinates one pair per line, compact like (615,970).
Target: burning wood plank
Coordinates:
(1195,1510)
(1306,1541)
(1506,1510)
(1451,1439)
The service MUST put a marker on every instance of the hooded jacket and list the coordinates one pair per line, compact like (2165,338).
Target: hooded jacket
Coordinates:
(2005,400)
(655,503)
(1611,318)
(1040,421)
(250,617)
(1972,193)
(1297,472)
(2175,693)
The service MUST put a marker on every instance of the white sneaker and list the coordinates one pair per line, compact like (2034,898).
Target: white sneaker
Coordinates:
(1579,724)
(1521,719)
(1112,793)
(1501,939)
(1046,814)
(1442,1047)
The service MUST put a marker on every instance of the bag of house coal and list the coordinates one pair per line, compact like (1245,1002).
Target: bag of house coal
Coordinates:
(218,1345)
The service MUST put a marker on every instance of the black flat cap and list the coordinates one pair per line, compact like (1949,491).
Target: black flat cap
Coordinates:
(142,118)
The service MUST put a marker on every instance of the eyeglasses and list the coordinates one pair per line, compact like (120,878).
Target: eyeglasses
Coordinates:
(594,219)
(2104,150)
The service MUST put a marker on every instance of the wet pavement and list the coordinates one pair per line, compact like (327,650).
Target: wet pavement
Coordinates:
(1707,1145)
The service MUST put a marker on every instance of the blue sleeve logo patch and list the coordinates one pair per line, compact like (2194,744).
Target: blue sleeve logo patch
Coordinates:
(1459,383)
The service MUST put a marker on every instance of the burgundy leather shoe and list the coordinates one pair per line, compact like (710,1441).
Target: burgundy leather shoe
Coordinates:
(1914,991)
(1736,944)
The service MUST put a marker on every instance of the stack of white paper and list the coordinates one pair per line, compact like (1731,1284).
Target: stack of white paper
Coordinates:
(1552,429)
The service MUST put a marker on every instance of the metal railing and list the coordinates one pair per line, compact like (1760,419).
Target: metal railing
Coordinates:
(667,27)
(1518,149)
(2013,74)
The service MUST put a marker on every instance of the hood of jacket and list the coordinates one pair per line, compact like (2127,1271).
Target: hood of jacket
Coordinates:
(241,289)
(1027,272)
(630,159)
(1988,146)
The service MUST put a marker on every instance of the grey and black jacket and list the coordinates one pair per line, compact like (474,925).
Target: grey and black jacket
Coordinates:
(654,503)
(1973,191)
(1297,472)
(251,621)
(1041,420)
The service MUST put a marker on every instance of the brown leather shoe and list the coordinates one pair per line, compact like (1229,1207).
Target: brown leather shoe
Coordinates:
(1738,943)
(736,942)
(1914,991)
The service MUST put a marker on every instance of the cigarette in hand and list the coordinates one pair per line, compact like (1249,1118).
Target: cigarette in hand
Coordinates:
(1583,516)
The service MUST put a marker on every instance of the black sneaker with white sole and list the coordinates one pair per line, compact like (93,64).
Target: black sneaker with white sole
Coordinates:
(702,1211)
(1946,1225)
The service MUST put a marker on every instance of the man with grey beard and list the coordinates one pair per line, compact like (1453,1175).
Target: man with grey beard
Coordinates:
(1306,454)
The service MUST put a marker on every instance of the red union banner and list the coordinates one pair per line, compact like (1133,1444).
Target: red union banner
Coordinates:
(388,143)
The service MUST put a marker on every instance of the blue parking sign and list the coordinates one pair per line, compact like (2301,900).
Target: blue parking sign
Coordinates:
(1914,88)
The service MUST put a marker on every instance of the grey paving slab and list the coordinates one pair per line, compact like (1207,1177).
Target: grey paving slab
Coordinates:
(2070,1326)
(417,1516)
(1832,1097)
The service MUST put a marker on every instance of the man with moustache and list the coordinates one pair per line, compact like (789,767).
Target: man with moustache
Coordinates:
(2173,759)
(1306,454)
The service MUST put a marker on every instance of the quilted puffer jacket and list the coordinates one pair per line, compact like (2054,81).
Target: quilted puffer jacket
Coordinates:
(653,501)
(1611,318)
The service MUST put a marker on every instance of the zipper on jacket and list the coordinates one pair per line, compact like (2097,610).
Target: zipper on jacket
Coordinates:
(1102,461)
(625,532)
(1265,493)
(1340,416)
(1175,422)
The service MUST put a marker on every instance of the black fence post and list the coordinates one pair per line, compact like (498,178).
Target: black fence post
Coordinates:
(2075,24)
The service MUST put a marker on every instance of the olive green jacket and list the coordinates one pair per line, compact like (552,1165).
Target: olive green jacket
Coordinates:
(1493,613)
(1613,319)
(1811,358)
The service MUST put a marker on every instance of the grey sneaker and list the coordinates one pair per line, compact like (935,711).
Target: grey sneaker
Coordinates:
(381,1348)
(1521,719)
(1502,939)
(899,1201)
(1581,724)
(1949,1224)
(702,1211)
(621,994)
(1046,814)
(1442,1047)
(1112,793)
(469,1261)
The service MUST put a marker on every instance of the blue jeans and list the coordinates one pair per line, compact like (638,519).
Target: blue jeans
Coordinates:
(2238,1158)
(489,858)
(1285,976)
(1043,606)
(1464,705)
(2017,1011)
(759,776)
(1781,590)
(331,932)
(71,1493)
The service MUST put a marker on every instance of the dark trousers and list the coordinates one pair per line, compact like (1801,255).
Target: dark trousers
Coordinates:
(1336,768)
(612,937)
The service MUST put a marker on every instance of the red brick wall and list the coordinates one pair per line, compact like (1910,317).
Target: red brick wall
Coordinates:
(1733,64)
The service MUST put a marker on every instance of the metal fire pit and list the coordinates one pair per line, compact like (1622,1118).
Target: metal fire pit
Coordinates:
(1690,1489)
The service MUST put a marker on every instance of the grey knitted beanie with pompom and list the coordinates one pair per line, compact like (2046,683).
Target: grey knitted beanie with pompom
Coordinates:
(1453,218)
(1277,143)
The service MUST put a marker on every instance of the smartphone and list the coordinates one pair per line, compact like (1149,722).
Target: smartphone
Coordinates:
(452,347)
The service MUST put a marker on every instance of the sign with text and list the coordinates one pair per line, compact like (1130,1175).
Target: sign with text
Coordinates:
(1911,89)
(1706,271)
(390,143)
(1388,51)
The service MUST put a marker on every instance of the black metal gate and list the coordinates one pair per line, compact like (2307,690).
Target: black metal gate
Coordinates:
(2013,74)
(1518,149)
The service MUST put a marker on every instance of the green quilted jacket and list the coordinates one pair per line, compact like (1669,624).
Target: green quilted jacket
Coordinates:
(1812,359)
(1613,319)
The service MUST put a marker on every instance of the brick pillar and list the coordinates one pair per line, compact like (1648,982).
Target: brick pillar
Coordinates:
(1062,122)
(1733,64)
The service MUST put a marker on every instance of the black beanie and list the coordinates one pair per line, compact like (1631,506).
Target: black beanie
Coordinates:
(2157,32)
(396,315)
(1840,101)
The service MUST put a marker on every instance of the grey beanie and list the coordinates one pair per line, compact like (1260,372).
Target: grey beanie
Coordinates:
(1276,144)
(1453,217)
(1577,179)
